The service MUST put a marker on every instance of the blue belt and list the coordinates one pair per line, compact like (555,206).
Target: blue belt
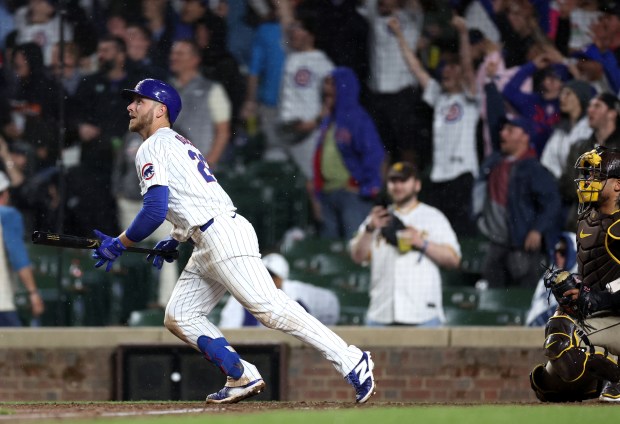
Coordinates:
(204,227)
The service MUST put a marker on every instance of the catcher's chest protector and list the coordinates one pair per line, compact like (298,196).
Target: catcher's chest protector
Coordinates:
(596,265)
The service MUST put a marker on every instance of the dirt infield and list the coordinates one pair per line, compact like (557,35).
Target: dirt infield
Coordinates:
(22,412)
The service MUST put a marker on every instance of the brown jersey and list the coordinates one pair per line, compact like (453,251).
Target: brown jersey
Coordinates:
(598,248)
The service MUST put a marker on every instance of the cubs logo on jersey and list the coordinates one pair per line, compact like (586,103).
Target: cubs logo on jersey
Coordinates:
(453,113)
(303,77)
(148,171)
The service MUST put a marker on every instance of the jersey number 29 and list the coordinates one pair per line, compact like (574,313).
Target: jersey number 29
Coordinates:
(202,166)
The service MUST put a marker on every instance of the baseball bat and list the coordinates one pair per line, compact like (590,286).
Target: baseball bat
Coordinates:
(76,242)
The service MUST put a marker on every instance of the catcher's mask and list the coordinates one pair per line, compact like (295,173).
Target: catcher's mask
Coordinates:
(593,169)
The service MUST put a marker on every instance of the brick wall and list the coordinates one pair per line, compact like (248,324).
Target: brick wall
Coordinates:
(405,370)
(56,374)
(423,375)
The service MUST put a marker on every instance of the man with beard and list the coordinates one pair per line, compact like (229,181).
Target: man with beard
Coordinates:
(406,243)
(178,185)
(100,125)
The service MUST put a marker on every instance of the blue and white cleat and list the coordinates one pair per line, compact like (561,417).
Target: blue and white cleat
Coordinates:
(362,380)
(235,394)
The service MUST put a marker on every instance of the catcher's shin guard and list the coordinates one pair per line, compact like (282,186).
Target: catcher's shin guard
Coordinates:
(551,388)
(572,357)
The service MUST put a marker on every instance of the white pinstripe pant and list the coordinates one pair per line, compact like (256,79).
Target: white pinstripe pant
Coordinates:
(226,258)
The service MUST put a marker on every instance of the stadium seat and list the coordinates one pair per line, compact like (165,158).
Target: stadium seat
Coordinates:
(476,317)
(498,299)
(323,257)
(314,245)
(473,251)
(458,278)
(463,297)
(146,318)
(353,307)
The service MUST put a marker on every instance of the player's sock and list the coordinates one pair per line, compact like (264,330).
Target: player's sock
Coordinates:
(221,353)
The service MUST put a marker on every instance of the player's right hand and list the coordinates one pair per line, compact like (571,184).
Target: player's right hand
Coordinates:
(109,249)
(379,216)
(165,244)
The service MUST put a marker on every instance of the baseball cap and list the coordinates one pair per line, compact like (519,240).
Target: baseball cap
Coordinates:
(556,70)
(276,264)
(610,100)
(402,171)
(521,122)
(585,54)
(4,181)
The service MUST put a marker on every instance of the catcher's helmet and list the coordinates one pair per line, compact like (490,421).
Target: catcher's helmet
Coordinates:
(159,91)
(594,168)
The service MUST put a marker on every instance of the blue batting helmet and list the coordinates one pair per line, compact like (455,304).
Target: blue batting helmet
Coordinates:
(159,91)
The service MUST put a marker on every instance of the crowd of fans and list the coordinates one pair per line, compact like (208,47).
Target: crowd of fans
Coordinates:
(435,82)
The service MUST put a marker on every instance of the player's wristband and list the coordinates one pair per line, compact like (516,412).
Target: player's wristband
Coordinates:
(370,228)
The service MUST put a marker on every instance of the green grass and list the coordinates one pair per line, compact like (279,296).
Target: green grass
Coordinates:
(423,414)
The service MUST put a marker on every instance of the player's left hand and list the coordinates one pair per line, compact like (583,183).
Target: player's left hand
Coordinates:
(590,301)
(165,244)
(109,249)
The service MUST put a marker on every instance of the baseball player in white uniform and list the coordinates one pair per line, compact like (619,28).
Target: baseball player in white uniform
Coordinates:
(177,185)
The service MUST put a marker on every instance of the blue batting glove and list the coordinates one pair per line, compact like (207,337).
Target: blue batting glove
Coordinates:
(109,249)
(165,244)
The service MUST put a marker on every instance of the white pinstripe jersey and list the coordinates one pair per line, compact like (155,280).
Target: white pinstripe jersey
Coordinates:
(168,159)
(300,97)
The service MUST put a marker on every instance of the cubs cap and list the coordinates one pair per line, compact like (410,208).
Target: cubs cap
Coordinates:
(277,265)
(525,124)
(557,71)
(402,171)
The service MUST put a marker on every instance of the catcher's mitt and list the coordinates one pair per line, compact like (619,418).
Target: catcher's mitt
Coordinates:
(389,231)
(591,301)
(559,281)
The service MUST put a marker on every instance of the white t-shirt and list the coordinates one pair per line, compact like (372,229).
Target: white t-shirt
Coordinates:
(406,288)
(388,70)
(166,158)
(580,22)
(558,146)
(321,303)
(45,34)
(454,133)
(302,81)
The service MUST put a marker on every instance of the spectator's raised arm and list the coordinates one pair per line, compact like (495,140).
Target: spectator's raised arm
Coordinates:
(414,64)
(459,23)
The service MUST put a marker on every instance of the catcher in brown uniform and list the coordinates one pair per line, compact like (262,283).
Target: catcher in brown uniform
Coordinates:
(582,339)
